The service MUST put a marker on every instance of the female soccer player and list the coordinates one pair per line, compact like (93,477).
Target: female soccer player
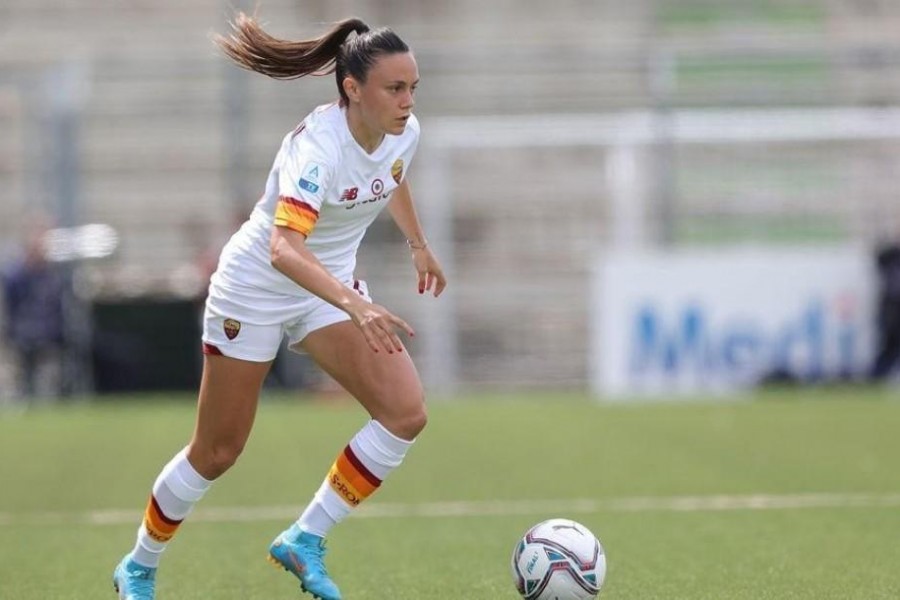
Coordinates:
(289,271)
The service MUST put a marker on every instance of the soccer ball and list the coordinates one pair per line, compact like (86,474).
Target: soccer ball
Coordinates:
(558,559)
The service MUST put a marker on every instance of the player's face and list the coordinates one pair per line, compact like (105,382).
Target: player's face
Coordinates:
(387,96)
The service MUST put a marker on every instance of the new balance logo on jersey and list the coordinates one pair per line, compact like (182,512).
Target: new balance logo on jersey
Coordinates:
(370,200)
(349,194)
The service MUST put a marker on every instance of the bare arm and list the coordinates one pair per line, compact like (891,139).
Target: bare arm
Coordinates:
(291,257)
(403,211)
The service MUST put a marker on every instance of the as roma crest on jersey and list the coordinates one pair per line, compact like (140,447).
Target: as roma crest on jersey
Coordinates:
(232,328)
(397,170)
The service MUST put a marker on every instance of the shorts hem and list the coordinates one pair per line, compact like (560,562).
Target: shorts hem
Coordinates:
(294,344)
(233,352)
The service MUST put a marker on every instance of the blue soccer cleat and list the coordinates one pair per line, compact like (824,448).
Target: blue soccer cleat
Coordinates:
(303,554)
(133,581)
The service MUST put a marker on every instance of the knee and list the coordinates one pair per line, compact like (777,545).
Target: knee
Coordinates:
(212,460)
(415,423)
(410,424)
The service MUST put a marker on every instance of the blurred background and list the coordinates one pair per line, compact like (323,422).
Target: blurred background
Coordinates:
(644,198)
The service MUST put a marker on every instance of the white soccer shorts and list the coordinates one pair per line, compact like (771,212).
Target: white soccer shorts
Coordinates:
(249,324)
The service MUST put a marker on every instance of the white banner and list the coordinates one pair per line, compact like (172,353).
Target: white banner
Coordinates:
(722,320)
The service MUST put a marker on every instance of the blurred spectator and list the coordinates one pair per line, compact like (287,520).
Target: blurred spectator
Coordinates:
(33,293)
(888,350)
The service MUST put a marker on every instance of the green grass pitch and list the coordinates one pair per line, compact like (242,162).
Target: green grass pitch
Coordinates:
(785,496)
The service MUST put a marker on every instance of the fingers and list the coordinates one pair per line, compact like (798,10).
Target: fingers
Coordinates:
(440,284)
(380,332)
(428,282)
(397,321)
(423,282)
(381,340)
(437,281)
(432,280)
(372,340)
(387,337)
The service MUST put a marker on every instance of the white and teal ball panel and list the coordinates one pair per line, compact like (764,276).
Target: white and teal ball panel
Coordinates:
(558,559)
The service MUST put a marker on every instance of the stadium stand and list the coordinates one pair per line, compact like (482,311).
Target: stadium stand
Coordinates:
(159,119)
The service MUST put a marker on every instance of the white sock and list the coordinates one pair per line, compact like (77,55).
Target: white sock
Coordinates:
(358,471)
(176,490)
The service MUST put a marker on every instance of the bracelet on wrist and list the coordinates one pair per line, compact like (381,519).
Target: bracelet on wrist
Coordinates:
(414,246)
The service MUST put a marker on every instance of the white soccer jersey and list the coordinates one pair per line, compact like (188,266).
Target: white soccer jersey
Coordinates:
(324,185)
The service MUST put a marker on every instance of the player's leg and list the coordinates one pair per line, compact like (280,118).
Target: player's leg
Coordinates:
(228,398)
(388,386)
(226,409)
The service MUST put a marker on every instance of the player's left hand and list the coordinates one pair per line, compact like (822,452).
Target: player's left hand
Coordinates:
(431,276)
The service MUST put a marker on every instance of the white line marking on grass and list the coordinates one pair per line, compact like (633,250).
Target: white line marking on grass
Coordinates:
(489,508)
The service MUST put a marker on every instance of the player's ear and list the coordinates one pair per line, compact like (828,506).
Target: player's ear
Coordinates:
(351,88)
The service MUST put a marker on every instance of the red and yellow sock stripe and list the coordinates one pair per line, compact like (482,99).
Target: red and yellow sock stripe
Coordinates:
(350,478)
(160,527)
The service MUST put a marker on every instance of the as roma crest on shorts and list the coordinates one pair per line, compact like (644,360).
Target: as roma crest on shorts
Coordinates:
(397,170)
(232,328)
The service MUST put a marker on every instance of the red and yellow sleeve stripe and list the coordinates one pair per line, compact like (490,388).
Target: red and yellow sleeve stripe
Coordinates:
(295,214)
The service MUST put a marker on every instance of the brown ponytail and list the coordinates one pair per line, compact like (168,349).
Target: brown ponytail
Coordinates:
(252,48)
